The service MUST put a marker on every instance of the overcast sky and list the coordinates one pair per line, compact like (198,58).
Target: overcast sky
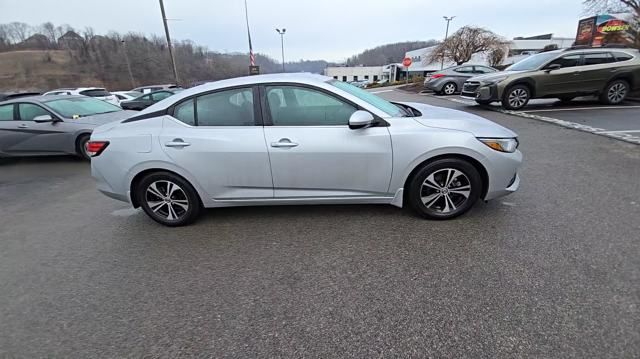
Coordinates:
(316,29)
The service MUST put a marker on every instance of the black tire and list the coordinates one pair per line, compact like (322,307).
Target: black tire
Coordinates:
(81,146)
(483,102)
(615,92)
(566,99)
(516,97)
(439,204)
(159,181)
(449,89)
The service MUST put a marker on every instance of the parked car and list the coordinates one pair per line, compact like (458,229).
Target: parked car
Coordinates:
(126,95)
(609,73)
(152,88)
(95,92)
(144,101)
(450,80)
(11,95)
(53,124)
(300,139)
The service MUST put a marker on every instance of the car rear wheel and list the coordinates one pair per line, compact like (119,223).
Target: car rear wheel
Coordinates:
(444,189)
(449,88)
(168,199)
(615,92)
(81,147)
(516,97)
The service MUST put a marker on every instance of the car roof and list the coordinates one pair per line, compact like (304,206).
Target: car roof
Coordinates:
(301,78)
(40,98)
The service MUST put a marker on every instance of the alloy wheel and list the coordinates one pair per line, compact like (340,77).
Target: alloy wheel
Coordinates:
(167,200)
(449,89)
(617,93)
(445,190)
(518,98)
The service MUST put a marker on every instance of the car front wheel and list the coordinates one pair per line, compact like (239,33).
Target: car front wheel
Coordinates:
(444,189)
(516,97)
(615,92)
(168,199)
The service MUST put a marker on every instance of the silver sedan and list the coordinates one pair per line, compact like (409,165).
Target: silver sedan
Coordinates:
(52,125)
(450,80)
(290,139)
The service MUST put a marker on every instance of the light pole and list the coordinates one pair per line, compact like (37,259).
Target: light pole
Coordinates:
(282,44)
(166,32)
(446,35)
(126,57)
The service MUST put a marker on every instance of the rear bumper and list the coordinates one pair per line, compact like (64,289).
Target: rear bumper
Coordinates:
(435,86)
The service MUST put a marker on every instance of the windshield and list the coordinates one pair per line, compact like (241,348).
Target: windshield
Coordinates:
(80,107)
(378,102)
(532,62)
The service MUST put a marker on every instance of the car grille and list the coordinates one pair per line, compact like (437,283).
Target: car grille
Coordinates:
(470,86)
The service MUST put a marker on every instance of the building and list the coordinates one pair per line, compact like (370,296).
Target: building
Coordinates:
(355,73)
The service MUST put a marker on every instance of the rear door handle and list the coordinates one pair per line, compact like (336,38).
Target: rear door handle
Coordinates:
(284,142)
(177,142)
(22,125)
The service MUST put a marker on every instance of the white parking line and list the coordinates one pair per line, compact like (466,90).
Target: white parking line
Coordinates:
(382,91)
(626,131)
(583,108)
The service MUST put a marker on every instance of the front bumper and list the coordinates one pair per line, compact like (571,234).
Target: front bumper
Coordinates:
(481,93)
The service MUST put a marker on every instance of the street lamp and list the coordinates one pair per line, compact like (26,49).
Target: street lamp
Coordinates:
(126,57)
(446,35)
(282,43)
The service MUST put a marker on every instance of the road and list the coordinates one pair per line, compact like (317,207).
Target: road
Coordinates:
(551,271)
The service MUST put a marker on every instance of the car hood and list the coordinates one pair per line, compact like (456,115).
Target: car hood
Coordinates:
(440,117)
(493,76)
(103,118)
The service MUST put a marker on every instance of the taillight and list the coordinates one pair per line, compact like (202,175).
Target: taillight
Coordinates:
(437,76)
(95,148)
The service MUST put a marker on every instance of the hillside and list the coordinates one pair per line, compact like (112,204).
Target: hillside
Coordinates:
(386,54)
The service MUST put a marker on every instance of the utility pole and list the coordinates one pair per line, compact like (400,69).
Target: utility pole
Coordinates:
(166,32)
(446,35)
(126,57)
(282,44)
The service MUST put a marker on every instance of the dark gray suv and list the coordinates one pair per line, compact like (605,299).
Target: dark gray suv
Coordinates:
(609,73)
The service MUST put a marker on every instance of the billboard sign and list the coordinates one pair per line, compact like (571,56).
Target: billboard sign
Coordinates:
(603,30)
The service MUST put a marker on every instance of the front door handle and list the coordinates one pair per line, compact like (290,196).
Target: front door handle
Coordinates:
(284,142)
(22,125)
(177,142)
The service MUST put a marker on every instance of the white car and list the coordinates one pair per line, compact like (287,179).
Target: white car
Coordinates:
(95,92)
(126,95)
(300,139)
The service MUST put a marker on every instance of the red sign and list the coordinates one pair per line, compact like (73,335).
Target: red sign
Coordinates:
(406,62)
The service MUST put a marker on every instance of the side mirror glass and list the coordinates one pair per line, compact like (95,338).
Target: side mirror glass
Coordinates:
(361,119)
(43,119)
(553,67)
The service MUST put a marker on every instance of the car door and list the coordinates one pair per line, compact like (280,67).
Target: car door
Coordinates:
(10,134)
(313,152)
(596,70)
(218,139)
(565,80)
(44,138)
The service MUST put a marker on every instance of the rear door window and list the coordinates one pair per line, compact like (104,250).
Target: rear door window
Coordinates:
(226,108)
(465,70)
(598,58)
(6,112)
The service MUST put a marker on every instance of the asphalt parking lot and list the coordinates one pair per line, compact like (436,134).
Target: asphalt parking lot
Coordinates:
(586,114)
(552,271)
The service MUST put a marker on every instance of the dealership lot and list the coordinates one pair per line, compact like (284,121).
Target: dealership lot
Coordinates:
(587,114)
(551,271)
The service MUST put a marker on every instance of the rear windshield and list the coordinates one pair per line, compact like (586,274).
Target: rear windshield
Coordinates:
(76,107)
(95,93)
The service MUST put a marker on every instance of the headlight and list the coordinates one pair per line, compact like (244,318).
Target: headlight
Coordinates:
(496,80)
(501,144)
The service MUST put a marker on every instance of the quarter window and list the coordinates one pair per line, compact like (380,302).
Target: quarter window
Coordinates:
(621,56)
(226,108)
(185,112)
(299,106)
(29,111)
(598,58)
(566,61)
(6,113)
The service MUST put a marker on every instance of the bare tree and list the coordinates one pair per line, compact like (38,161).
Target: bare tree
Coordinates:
(49,30)
(19,31)
(597,6)
(496,56)
(466,42)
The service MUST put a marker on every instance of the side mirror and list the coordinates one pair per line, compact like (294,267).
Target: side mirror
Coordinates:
(553,67)
(361,119)
(43,119)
